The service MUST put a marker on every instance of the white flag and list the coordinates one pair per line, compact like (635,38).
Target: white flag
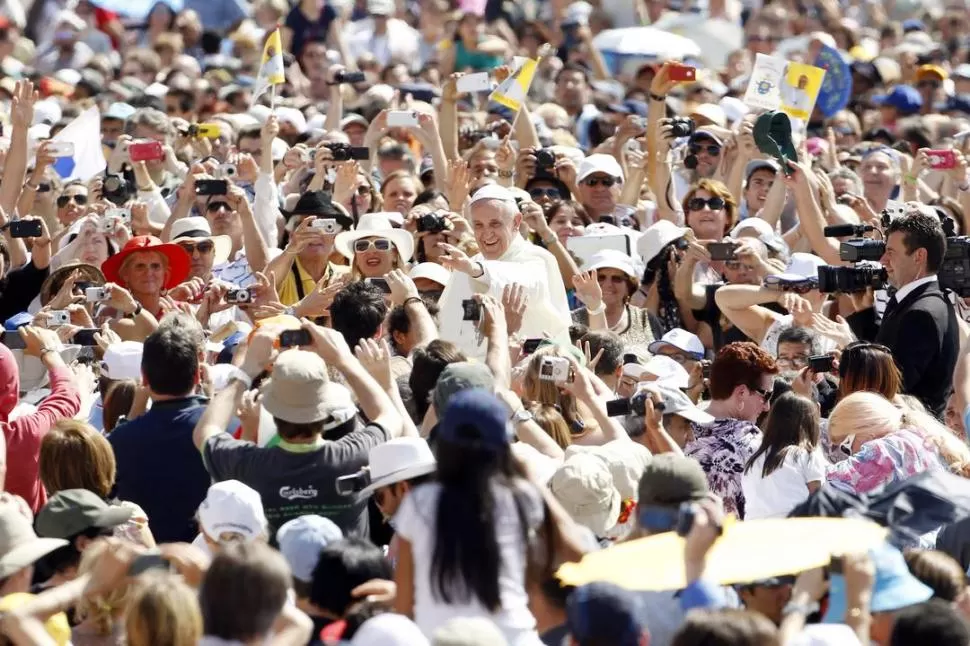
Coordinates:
(88,159)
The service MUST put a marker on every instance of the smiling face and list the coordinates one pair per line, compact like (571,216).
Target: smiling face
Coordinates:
(373,262)
(615,285)
(706,224)
(708,154)
(144,273)
(757,189)
(599,193)
(496,223)
(878,176)
(566,223)
(70,204)
(902,267)
(399,194)
(223,220)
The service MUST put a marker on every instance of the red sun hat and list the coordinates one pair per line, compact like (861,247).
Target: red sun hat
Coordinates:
(179,262)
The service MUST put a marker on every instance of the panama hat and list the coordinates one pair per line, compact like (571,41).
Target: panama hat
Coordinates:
(375,225)
(197,228)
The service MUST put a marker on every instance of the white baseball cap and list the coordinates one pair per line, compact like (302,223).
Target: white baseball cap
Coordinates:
(676,402)
(430,271)
(398,460)
(666,371)
(801,267)
(301,540)
(712,112)
(656,237)
(231,506)
(123,361)
(599,163)
(612,259)
(682,340)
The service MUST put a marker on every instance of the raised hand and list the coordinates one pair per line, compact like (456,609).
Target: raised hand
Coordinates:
(22,106)
(457,260)
(375,356)
(588,289)
(514,302)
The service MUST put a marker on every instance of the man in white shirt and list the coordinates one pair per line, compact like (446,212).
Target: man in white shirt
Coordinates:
(384,36)
(505,259)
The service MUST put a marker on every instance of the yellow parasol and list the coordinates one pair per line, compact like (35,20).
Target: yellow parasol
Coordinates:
(747,551)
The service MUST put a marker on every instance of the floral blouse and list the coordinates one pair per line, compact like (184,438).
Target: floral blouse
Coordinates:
(886,460)
(723,447)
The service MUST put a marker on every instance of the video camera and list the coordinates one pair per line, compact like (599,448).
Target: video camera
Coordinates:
(954,273)
(859,278)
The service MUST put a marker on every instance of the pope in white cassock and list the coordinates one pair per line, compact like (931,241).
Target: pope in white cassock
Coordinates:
(505,258)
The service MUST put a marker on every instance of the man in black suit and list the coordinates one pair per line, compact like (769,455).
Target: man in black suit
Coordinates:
(920,324)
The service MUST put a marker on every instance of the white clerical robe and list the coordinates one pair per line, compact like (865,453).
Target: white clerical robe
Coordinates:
(546,310)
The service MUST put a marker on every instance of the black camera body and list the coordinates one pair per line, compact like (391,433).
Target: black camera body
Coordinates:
(471,310)
(850,280)
(343,152)
(117,189)
(545,162)
(681,127)
(432,223)
(861,249)
(954,273)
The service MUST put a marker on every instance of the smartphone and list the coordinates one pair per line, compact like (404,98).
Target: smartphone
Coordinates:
(350,77)
(942,159)
(146,151)
(682,73)
(722,250)
(480,82)
(821,363)
(207,131)
(26,228)
(211,187)
(61,148)
(530,345)
(380,283)
(706,369)
(295,338)
(85,336)
(402,119)
(148,561)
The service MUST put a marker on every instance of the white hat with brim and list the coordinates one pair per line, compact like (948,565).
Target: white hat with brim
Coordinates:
(712,112)
(398,460)
(19,543)
(657,236)
(667,371)
(375,225)
(430,271)
(299,390)
(612,259)
(802,266)
(599,163)
(197,228)
(677,403)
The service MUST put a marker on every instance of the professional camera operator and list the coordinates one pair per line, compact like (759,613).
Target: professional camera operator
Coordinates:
(920,324)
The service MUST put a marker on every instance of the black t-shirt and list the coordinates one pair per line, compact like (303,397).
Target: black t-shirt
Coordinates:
(306,30)
(711,314)
(18,288)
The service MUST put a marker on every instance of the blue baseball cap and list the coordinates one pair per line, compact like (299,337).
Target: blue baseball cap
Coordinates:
(904,98)
(630,106)
(301,541)
(605,613)
(894,587)
(17,321)
(957,103)
(476,416)
(913,24)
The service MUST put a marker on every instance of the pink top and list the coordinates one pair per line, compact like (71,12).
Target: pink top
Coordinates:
(885,460)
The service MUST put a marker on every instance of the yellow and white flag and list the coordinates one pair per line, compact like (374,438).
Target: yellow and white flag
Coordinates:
(512,91)
(271,69)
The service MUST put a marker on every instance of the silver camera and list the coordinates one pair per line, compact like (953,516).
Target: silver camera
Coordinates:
(58,317)
(325,226)
(554,369)
(227,171)
(96,294)
(239,296)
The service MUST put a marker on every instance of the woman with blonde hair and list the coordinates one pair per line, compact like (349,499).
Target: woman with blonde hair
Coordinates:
(375,247)
(535,390)
(163,611)
(101,615)
(886,444)
(552,422)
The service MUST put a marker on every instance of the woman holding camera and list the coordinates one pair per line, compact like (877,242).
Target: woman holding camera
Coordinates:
(375,247)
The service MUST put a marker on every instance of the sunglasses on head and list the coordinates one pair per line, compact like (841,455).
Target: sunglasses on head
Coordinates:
(538,193)
(712,149)
(846,445)
(698,203)
(381,244)
(604,181)
(212,207)
(203,246)
(79,199)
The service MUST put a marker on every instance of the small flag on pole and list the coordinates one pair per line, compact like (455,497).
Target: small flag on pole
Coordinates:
(513,90)
(271,69)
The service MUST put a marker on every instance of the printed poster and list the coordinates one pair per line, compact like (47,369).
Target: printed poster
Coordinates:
(764,87)
(799,90)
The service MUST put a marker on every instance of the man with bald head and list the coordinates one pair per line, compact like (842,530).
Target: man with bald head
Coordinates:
(504,259)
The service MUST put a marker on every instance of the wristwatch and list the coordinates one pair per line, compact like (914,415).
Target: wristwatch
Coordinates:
(804,609)
(521,415)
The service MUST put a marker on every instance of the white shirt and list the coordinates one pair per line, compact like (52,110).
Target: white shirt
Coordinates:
(906,289)
(775,495)
(400,42)
(415,521)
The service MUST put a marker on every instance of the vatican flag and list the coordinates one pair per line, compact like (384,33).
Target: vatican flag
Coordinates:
(271,69)
(512,91)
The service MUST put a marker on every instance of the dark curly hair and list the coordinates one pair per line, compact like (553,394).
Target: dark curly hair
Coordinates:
(740,364)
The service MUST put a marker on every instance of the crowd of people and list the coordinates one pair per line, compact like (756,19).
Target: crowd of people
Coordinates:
(363,347)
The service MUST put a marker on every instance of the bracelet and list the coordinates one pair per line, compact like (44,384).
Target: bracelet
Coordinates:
(149,189)
(506,174)
(657,97)
(910,179)
(33,187)
(599,310)
(44,351)
(412,299)
(137,311)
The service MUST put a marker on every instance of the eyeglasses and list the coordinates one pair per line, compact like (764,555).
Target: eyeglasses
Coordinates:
(796,363)
(765,394)
(679,357)
(737,265)
(846,446)
(363,190)
(698,203)
(203,246)
(712,149)
(80,199)
(602,278)
(212,207)
(381,244)
(601,181)
(552,193)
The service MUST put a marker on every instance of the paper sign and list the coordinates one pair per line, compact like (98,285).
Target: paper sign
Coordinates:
(837,86)
(799,89)
(764,87)
(476,7)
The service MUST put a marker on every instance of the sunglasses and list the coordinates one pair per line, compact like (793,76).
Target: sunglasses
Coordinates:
(204,247)
(80,200)
(846,445)
(712,149)
(602,278)
(380,244)
(601,181)
(363,190)
(538,193)
(212,207)
(698,203)
(765,394)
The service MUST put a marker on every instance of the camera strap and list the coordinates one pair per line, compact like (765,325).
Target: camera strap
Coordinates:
(298,279)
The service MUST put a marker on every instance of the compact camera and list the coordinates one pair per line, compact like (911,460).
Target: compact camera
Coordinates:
(554,369)
(96,294)
(432,223)
(58,317)
(471,310)
(227,171)
(545,161)
(681,127)
(323,225)
(239,296)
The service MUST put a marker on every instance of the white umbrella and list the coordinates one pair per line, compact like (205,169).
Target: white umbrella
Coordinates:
(645,42)
(715,37)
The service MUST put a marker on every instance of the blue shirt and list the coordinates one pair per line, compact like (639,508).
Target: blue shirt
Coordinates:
(218,15)
(159,468)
